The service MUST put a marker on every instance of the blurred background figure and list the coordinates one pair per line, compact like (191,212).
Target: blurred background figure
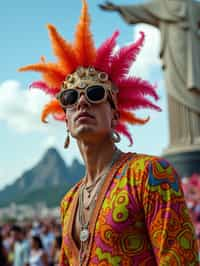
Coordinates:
(191,187)
(36,228)
(38,256)
(3,253)
(55,252)
(7,242)
(20,246)
(47,237)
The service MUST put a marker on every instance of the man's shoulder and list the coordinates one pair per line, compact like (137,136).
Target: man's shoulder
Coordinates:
(141,161)
(151,164)
(154,169)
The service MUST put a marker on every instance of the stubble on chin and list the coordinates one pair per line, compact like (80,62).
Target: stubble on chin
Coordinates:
(83,131)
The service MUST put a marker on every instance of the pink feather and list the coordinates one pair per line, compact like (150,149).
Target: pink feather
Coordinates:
(121,128)
(132,87)
(104,53)
(44,87)
(123,59)
(136,103)
(60,117)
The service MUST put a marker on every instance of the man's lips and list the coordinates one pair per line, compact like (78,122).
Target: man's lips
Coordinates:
(84,115)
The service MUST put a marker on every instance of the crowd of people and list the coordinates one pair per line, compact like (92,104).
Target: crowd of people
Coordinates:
(34,243)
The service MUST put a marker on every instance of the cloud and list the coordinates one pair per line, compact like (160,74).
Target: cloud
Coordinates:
(148,59)
(20,108)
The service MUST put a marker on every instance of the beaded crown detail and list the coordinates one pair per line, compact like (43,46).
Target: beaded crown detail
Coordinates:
(132,93)
(84,76)
(87,76)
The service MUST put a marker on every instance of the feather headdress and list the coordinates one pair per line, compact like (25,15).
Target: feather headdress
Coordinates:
(132,91)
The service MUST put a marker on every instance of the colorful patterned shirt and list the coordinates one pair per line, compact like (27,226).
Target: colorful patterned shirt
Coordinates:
(140,218)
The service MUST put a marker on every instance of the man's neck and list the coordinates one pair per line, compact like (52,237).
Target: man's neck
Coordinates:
(97,158)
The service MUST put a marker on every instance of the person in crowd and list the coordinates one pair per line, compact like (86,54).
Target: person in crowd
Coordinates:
(3,253)
(20,246)
(36,228)
(8,242)
(47,238)
(38,256)
(129,208)
(55,252)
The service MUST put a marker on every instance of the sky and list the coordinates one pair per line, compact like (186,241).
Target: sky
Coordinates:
(24,38)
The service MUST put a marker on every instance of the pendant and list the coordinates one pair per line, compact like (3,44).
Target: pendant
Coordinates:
(84,235)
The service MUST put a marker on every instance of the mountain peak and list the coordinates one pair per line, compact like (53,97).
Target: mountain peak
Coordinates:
(52,151)
(50,176)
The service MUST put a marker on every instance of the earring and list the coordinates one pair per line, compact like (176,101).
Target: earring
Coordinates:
(115,136)
(67,141)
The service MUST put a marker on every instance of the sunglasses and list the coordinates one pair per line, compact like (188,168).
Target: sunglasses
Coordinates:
(94,94)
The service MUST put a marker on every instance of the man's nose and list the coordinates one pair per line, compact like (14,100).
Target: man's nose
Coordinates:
(82,101)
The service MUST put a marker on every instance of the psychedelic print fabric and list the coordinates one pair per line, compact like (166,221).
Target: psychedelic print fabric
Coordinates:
(140,218)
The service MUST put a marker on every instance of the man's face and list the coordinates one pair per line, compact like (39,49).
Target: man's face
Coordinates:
(90,121)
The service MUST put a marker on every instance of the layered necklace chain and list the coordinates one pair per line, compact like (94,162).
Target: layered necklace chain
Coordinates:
(91,187)
(91,191)
(84,225)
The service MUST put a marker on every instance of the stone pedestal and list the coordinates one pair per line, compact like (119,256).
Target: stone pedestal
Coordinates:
(186,160)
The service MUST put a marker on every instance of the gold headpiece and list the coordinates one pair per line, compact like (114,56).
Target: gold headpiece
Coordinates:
(84,77)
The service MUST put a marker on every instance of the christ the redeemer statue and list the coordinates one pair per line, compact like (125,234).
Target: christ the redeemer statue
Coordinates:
(179,25)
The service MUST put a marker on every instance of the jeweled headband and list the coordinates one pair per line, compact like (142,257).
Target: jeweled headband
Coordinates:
(132,92)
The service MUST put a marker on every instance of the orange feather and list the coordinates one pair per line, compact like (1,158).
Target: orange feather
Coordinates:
(63,50)
(84,44)
(130,118)
(53,107)
(52,73)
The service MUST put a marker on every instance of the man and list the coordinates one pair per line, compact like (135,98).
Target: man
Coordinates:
(47,238)
(179,25)
(3,252)
(21,246)
(129,208)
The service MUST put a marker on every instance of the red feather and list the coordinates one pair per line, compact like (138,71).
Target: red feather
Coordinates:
(121,128)
(132,87)
(136,103)
(104,53)
(44,87)
(124,58)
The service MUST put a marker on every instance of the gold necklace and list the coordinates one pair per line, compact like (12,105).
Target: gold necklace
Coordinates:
(91,187)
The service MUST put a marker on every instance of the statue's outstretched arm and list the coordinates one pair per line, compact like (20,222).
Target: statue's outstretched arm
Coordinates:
(134,14)
(109,6)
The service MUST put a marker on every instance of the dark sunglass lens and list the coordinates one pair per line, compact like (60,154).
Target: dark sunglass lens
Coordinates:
(69,97)
(95,93)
